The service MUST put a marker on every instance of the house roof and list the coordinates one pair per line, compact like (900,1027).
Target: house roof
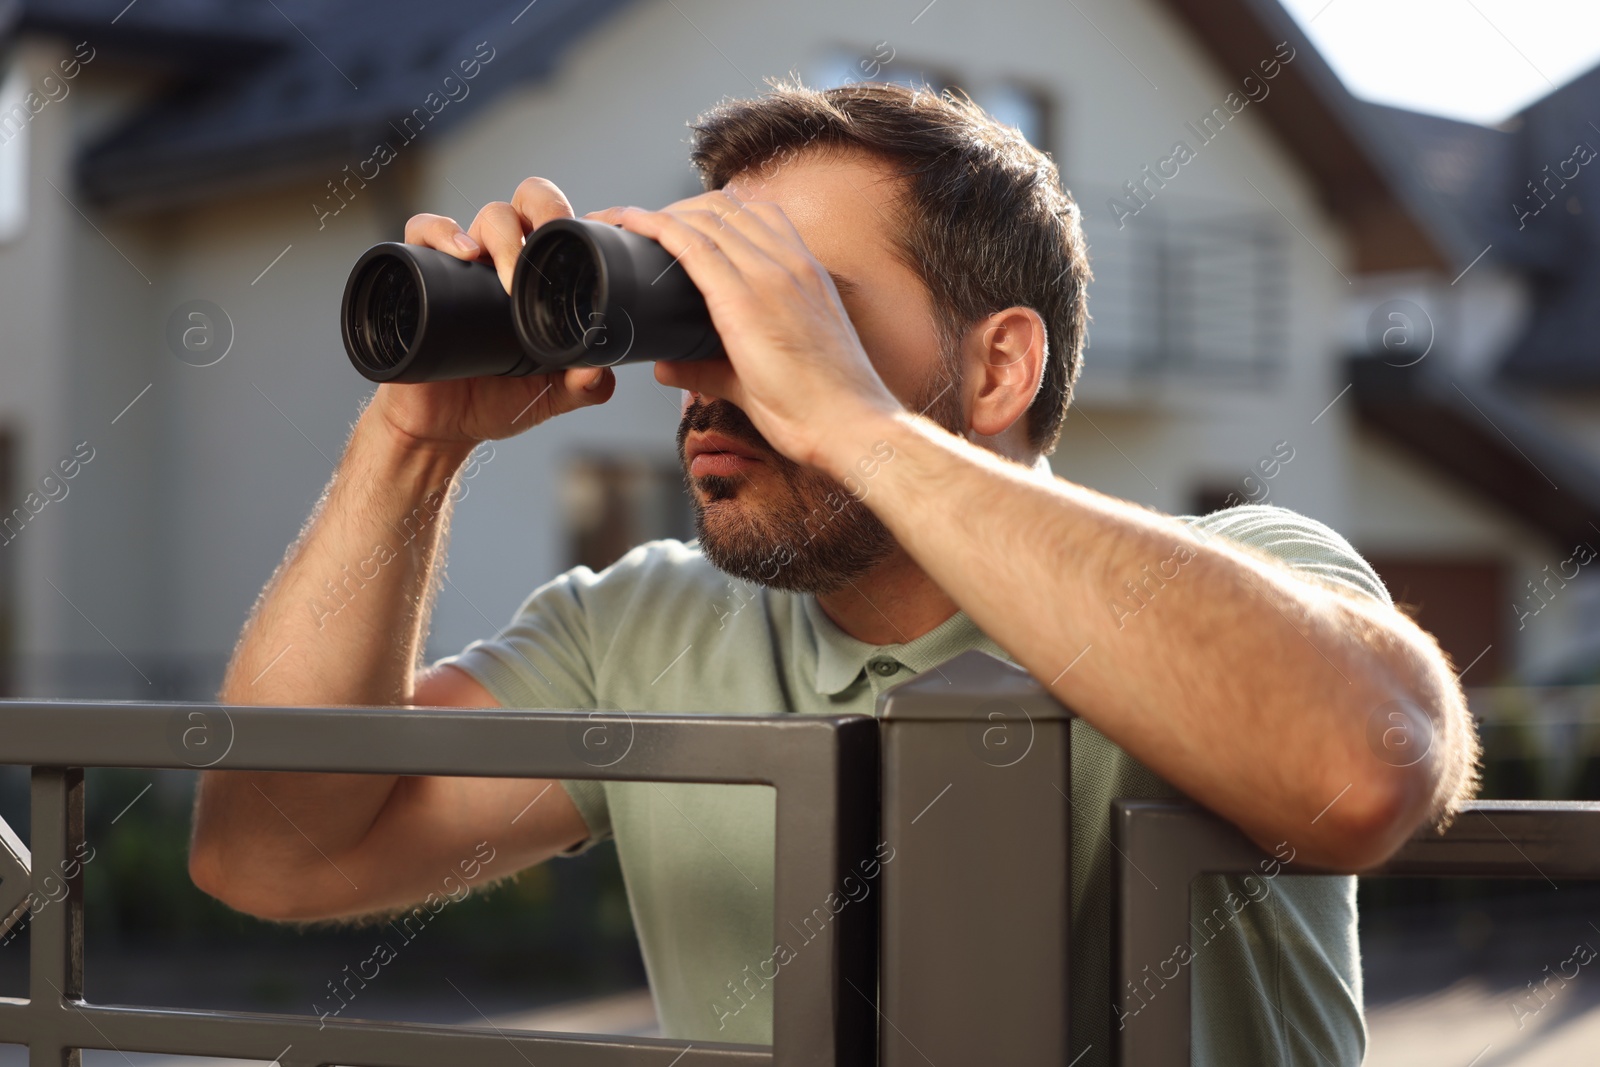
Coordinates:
(1348,159)
(1419,190)
(263,92)
(1484,442)
(1521,193)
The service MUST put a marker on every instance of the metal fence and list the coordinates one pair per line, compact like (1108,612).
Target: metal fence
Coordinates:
(937,734)
(1173,843)
(906,974)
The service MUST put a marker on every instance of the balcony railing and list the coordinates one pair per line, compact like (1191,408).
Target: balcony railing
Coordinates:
(909,972)
(1184,298)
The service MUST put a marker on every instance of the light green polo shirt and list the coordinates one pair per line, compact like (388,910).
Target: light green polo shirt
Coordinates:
(662,630)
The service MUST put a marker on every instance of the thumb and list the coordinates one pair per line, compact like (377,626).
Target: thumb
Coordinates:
(589,385)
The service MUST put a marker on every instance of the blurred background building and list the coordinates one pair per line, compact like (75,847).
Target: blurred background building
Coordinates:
(166,153)
(1382,319)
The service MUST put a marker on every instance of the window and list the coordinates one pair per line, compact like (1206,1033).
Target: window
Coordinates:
(1010,102)
(880,63)
(614,502)
(1195,295)
(1463,603)
(1017,105)
(13,154)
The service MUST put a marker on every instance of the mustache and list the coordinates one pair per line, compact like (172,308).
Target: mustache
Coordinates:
(721,416)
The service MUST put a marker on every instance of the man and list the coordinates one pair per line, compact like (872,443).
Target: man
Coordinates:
(899,283)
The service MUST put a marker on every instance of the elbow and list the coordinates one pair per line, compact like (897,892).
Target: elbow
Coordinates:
(1381,811)
(253,893)
(211,873)
(1426,768)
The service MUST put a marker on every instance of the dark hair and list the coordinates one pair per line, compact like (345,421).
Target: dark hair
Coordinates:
(986,224)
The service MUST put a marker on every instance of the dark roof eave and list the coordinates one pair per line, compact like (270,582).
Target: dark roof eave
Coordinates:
(192,48)
(1483,441)
(131,182)
(1315,118)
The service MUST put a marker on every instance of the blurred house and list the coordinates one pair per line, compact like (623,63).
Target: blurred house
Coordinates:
(1301,299)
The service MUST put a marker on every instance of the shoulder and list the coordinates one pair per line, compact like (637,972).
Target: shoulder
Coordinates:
(1300,541)
(652,573)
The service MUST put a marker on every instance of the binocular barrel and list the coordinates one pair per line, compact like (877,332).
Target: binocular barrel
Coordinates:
(584,294)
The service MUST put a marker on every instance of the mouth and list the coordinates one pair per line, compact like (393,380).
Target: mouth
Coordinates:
(711,453)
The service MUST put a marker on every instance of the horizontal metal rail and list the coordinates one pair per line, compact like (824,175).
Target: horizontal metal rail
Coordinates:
(1170,843)
(824,769)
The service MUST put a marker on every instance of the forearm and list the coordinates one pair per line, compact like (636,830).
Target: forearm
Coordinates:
(1241,684)
(341,621)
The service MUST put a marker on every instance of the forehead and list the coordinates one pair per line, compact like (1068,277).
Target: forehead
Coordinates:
(843,206)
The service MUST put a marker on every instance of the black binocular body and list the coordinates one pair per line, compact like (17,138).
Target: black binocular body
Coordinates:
(585,294)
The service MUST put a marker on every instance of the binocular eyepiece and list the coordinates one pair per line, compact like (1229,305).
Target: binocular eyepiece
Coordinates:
(585,294)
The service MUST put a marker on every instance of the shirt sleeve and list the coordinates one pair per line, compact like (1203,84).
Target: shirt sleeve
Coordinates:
(1310,548)
(543,659)
(1284,985)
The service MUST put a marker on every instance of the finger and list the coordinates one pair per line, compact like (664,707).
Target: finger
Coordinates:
(564,391)
(736,236)
(498,228)
(538,201)
(443,233)
(720,201)
(766,226)
(588,381)
(776,221)
(695,250)
(608,215)
(763,246)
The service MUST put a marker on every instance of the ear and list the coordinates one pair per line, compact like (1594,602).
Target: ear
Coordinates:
(1004,355)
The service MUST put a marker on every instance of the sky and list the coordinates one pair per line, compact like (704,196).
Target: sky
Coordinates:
(1474,60)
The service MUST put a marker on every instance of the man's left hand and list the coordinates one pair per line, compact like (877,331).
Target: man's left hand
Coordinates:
(794,363)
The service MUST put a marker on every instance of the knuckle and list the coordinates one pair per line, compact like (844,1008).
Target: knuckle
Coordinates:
(773,270)
(536,186)
(540,193)
(490,210)
(421,224)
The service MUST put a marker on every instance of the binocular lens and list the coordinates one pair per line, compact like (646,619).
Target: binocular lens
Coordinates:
(561,308)
(387,308)
(583,294)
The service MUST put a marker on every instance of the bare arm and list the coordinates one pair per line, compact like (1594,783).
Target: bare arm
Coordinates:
(1246,686)
(343,621)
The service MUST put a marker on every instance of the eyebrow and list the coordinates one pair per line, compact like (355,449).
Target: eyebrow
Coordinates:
(845,286)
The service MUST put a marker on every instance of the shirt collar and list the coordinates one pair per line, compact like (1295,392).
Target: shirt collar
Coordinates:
(842,658)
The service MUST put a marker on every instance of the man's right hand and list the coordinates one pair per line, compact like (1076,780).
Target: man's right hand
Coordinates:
(341,622)
(459,413)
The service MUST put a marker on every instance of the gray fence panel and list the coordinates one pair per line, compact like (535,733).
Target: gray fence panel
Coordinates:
(825,770)
(976,902)
(1164,845)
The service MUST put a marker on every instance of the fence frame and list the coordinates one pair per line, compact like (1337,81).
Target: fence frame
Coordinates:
(824,769)
(1171,842)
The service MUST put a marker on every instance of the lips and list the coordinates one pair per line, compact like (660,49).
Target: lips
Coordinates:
(711,453)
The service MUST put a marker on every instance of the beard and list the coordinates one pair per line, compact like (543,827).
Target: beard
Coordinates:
(812,534)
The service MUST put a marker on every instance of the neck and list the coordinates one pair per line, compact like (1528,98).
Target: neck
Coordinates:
(891,604)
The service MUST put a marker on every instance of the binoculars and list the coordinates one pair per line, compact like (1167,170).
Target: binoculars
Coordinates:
(584,293)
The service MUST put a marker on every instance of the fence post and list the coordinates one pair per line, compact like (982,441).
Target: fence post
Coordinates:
(977,891)
(55,963)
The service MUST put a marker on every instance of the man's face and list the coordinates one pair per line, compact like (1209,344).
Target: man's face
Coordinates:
(771,520)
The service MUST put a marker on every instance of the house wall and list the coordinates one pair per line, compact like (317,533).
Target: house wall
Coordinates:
(33,345)
(208,477)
